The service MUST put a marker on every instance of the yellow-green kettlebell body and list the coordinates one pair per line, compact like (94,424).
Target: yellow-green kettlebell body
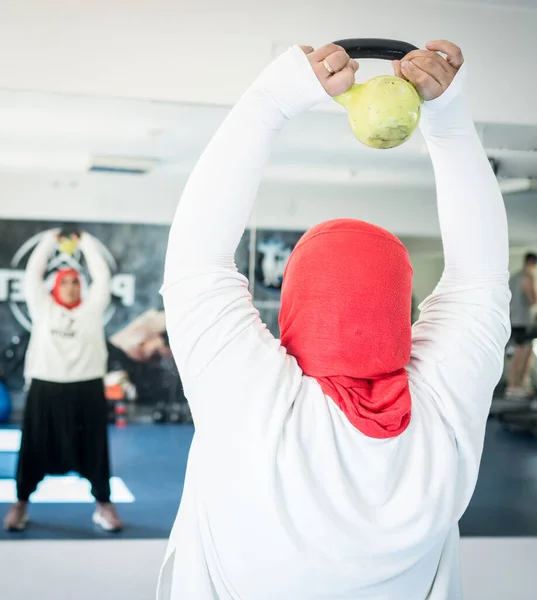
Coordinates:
(384,112)
(67,245)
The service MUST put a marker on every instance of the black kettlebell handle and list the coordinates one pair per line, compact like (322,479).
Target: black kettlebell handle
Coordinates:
(376,48)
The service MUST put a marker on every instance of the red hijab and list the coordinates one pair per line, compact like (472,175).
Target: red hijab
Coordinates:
(346,317)
(60,275)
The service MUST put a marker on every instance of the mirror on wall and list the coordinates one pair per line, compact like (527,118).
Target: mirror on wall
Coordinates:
(115,169)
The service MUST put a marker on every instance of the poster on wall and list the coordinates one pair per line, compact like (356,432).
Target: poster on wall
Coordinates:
(272,251)
(134,322)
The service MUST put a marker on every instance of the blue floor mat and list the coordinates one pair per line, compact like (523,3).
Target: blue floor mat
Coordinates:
(151,461)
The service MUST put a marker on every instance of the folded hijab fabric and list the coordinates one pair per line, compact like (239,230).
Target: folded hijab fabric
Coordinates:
(60,275)
(346,317)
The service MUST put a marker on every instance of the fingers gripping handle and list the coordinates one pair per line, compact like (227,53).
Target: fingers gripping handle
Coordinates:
(376,48)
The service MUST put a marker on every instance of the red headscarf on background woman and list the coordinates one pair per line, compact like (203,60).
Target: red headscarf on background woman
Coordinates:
(60,275)
(346,317)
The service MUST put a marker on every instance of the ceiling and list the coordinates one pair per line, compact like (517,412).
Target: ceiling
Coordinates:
(510,4)
(210,52)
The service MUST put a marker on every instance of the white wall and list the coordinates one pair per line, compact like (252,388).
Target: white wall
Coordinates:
(209,51)
(427,273)
(152,199)
(428,269)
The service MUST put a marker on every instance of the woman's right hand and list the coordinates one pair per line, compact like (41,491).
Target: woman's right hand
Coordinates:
(333,67)
(430,72)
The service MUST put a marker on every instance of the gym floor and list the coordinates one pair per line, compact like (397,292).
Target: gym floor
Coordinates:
(150,460)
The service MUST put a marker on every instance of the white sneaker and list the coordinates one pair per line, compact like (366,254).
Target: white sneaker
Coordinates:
(17,517)
(518,394)
(106,517)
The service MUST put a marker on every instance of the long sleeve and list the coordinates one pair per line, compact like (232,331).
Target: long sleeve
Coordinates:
(471,210)
(34,285)
(99,293)
(208,308)
(219,196)
(460,337)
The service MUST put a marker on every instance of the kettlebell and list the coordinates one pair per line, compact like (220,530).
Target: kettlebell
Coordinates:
(385,111)
(67,246)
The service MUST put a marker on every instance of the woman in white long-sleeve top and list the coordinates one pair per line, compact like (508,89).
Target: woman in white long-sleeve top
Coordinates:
(65,420)
(336,462)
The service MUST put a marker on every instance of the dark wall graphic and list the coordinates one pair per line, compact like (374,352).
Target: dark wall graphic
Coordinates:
(272,250)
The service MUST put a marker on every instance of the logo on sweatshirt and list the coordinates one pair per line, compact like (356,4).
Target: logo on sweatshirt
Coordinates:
(12,280)
(67,330)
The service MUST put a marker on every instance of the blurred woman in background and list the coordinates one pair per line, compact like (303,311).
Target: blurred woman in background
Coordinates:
(523,305)
(65,422)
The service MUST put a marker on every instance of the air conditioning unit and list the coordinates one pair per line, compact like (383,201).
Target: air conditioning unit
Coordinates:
(512,185)
(126,165)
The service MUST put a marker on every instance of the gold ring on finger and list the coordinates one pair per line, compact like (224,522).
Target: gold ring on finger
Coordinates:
(328,67)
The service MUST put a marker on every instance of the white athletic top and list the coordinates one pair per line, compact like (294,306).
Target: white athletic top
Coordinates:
(283,498)
(66,345)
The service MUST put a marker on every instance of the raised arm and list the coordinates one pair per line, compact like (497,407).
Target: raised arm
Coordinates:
(34,285)
(99,293)
(459,339)
(217,201)
(206,300)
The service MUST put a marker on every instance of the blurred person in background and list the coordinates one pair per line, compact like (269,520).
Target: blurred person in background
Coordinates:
(523,304)
(65,420)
